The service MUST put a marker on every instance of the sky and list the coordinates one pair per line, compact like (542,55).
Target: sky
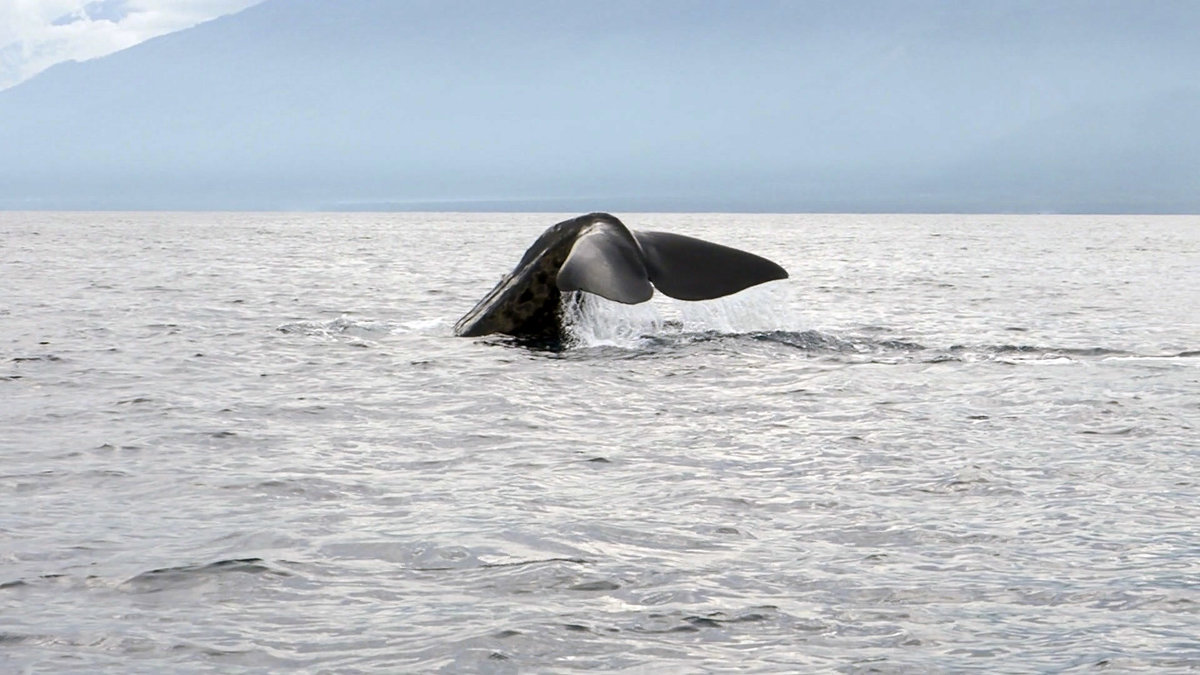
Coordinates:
(613,105)
(36,34)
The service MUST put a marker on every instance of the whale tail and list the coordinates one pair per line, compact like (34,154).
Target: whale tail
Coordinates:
(607,261)
(687,268)
(596,253)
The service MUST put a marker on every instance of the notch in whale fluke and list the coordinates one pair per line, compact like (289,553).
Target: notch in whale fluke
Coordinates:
(597,254)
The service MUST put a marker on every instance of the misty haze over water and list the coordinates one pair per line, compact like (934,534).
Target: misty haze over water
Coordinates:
(931,106)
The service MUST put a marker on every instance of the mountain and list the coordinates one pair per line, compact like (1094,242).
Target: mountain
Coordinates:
(932,105)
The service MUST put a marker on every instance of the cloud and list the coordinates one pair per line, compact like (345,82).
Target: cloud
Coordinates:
(36,34)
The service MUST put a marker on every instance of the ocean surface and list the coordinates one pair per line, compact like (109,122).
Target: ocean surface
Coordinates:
(250,443)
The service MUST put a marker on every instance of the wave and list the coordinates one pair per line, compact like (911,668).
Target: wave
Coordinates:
(185,575)
(869,349)
(344,327)
(760,317)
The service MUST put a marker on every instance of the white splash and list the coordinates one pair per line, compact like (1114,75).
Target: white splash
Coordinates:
(754,310)
(434,326)
(592,321)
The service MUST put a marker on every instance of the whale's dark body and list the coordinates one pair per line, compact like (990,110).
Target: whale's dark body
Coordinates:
(597,254)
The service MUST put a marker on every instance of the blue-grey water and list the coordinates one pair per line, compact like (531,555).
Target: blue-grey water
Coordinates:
(250,443)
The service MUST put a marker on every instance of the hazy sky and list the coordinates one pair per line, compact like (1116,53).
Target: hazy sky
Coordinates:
(947,105)
(36,34)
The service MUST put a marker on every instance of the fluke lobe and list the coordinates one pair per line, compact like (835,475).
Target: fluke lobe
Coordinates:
(597,254)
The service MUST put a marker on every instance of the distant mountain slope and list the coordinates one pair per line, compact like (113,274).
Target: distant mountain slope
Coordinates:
(933,105)
(37,35)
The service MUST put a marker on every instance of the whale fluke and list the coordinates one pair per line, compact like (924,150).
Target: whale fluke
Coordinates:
(597,254)
(607,261)
(687,268)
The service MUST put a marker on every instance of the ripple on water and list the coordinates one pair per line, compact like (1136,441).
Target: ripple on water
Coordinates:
(184,576)
(919,454)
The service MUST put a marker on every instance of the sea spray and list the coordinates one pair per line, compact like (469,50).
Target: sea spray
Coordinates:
(754,310)
(592,321)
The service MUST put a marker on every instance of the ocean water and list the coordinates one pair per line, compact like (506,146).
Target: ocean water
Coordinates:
(250,443)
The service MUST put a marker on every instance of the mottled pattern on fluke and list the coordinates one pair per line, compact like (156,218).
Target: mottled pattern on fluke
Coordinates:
(597,254)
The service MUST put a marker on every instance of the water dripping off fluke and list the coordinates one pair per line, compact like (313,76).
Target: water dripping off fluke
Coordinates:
(591,321)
